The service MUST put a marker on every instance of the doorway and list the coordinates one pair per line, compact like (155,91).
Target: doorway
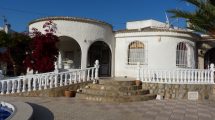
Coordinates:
(100,51)
(209,58)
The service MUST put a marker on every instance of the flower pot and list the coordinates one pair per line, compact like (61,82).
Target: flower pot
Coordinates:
(138,82)
(69,93)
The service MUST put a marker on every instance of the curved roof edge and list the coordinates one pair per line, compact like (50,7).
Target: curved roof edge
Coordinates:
(67,18)
(158,30)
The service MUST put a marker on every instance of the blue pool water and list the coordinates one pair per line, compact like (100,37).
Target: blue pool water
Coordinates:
(4,113)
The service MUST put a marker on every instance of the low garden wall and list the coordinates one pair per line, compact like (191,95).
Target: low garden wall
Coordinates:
(180,91)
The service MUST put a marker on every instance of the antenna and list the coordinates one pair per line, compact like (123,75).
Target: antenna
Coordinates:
(167,20)
(4,20)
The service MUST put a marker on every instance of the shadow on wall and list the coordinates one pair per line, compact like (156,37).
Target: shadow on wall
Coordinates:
(41,113)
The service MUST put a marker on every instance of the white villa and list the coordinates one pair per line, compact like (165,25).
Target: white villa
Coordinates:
(152,43)
(147,50)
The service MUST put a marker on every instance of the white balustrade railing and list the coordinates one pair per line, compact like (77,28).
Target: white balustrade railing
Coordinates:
(47,80)
(176,76)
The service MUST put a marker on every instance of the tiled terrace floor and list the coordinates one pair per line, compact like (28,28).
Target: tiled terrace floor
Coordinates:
(73,109)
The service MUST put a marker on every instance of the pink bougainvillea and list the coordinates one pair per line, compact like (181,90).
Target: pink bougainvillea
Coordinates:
(43,51)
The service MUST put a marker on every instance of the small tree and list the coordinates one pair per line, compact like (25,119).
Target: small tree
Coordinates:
(43,51)
(202,19)
(14,46)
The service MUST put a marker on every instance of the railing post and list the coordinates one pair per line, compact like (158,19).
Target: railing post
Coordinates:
(138,70)
(29,83)
(8,87)
(13,86)
(55,80)
(24,84)
(2,88)
(19,85)
(212,72)
(97,69)
(34,83)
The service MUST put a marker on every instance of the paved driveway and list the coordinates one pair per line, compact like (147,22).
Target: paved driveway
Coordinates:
(47,108)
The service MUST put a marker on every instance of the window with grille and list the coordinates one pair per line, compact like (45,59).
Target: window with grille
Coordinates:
(182,55)
(136,53)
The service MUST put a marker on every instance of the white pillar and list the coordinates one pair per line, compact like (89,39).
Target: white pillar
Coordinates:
(84,53)
(212,72)
(97,69)
(59,60)
(56,67)
(8,87)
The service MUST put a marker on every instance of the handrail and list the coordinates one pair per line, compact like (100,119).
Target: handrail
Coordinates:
(47,80)
(176,76)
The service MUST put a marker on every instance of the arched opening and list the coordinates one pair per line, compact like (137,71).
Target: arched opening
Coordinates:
(70,53)
(181,55)
(136,53)
(185,55)
(209,58)
(100,51)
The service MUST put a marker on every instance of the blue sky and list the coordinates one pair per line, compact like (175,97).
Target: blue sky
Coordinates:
(116,12)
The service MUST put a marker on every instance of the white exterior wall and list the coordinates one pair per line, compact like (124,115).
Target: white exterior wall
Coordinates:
(160,50)
(84,33)
(144,24)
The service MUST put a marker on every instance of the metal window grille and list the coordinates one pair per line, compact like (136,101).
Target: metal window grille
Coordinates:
(136,53)
(181,55)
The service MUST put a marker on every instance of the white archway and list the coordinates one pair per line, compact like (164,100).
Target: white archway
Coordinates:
(70,53)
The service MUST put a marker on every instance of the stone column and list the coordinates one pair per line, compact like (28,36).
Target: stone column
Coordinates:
(59,60)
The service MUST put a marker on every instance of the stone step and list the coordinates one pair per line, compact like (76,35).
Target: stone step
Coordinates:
(114,87)
(118,99)
(117,82)
(114,93)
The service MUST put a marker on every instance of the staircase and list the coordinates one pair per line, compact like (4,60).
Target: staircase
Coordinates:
(115,91)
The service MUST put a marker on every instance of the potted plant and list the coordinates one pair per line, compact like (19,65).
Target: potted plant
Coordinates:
(70,93)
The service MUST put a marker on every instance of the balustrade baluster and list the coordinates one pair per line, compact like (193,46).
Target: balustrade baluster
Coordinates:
(24,84)
(55,80)
(34,83)
(51,80)
(208,76)
(13,86)
(177,76)
(70,78)
(66,79)
(29,83)
(8,87)
(165,76)
(3,86)
(61,79)
(88,74)
(40,82)
(199,76)
(149,76)
(84,75)
(186,77)
(173,76)
(76,79)
(79,76)
(18,86)
(45,81)
(202,76)
(181,76)
(168,76)
(92,74)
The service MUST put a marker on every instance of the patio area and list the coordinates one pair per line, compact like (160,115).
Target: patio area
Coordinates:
(62,108)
